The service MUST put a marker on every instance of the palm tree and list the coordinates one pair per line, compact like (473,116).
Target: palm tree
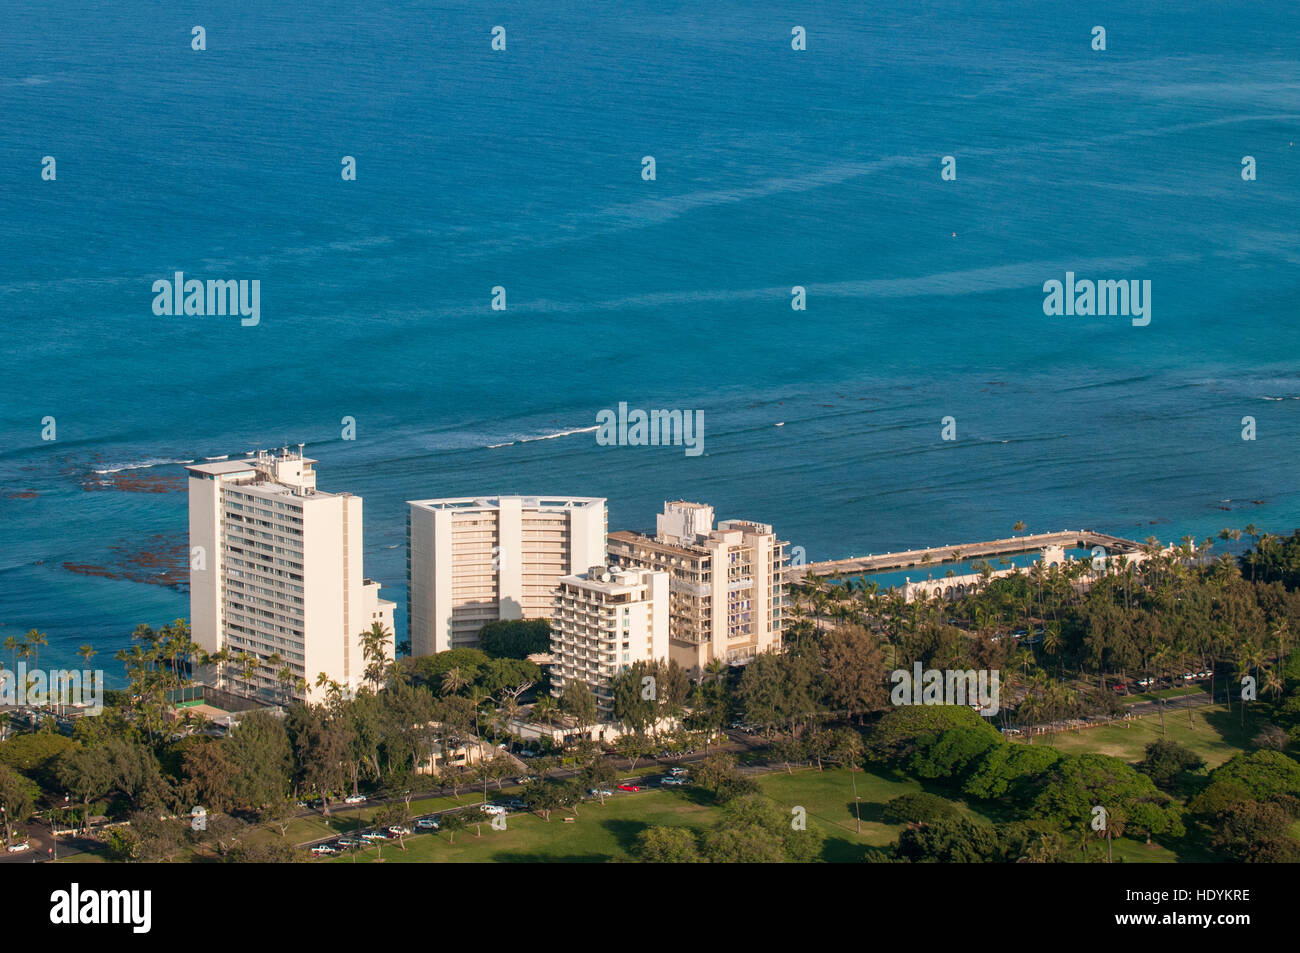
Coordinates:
(1052,639)
(285,677)
(34,640)
(1273,683)
(848,751)
(545,709)
(220,659)
(87,652)
(248,666)
(1161,661)
(11,643)
(374,649)
(453,680)
(1242,672)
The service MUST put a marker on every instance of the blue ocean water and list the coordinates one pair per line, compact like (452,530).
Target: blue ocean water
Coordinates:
(522,169)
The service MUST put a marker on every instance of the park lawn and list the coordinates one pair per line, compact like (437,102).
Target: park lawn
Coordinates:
(1135,850)
(1164,693)
(1213,734)
(82,858)
(828,798)
(599,834)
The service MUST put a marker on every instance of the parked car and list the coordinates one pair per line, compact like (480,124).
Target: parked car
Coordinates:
(397,830)
(15,848)
(601,792)
(1146,682)
(628,787)
(354,799)
(492,810)
(517,804)
(525,779)
(348,842)
(374,835)
(427,824)
(673,782)
(1206,674)
(1188,676)
(1120,688)
(678,772)
(323,849)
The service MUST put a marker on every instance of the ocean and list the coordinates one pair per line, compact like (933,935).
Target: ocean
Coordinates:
(522,169)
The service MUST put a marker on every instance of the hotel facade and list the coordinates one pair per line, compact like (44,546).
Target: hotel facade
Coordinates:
(474,560)
(605,620)
(276,569)
(727,588)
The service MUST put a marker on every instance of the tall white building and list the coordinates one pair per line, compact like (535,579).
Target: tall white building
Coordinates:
(727,589)
(276,569)
(606,619)
(472,560)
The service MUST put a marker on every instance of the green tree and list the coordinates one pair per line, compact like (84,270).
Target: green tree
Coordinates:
(18,798)
(1166,759)
(515,638)
(578,703)
(668,845)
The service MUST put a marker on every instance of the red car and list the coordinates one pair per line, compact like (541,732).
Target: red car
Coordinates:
(628,787)
(1120,689)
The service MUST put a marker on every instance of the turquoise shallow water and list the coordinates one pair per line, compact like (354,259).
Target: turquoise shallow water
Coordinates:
(522,169)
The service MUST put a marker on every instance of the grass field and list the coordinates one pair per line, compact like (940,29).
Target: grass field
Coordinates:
(605,833)
(608,833)
(1213,734)
(598,834)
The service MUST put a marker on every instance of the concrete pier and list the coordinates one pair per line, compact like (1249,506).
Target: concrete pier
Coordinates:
(1034,542)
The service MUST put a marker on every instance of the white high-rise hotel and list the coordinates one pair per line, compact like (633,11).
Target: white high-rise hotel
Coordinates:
(606,620)
(276,569)
(473,560)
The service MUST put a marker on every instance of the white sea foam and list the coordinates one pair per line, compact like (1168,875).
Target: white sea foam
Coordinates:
(142,465)
(545,436)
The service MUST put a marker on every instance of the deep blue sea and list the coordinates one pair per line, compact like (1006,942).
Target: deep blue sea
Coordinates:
(522,168)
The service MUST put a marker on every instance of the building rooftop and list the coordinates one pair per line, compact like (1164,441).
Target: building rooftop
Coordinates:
(610,580)
(223,467)
(485,503)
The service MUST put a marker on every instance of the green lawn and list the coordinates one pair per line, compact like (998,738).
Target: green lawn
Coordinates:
(1164,693)
(604,833)
(1213,734)
(599,833)
(828,798)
